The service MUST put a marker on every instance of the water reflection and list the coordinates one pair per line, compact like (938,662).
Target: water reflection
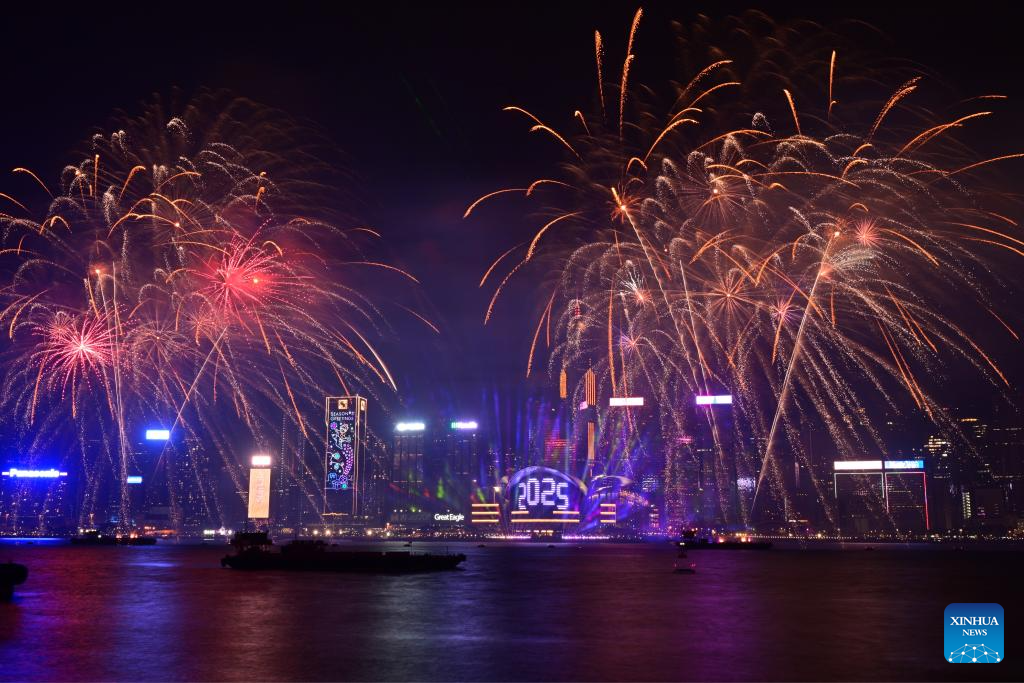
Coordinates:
(572,612)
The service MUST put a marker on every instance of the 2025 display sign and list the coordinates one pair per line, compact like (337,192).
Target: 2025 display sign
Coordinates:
(541,495)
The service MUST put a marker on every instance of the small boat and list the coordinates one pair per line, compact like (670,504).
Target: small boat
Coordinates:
(94,537)
(11,575)
(255,553)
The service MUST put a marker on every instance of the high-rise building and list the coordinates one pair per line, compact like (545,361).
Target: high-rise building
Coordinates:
(193,489)
(715,453)
(1008,465)
(906,495)
(859,495)
(345,420)
(35,502)
(977,475)
(945,484)
(408,456)
(881,496)
(463,462)
(378,478)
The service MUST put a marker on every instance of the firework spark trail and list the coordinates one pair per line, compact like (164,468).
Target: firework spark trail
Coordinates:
(784,391)
(741,207)
(181,268)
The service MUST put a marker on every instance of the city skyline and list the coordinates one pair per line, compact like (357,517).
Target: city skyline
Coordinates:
(524,341)
(281,292)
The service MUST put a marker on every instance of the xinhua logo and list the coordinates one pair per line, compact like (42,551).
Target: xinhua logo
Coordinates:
(973,633)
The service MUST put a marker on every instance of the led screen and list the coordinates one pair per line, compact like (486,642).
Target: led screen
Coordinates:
(345,417)
(259,493)
(544,496)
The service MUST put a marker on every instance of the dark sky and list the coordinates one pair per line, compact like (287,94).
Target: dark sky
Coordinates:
(413,93)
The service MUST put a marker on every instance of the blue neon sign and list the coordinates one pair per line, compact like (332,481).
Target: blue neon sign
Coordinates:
(16,473)
(904,464)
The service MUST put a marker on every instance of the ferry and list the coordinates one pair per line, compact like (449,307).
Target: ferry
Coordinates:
(94,537)
(255,552)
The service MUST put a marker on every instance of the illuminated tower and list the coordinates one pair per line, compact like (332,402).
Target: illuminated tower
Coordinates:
(590,398)
(346,434)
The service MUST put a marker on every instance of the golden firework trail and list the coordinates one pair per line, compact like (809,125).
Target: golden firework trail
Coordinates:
(815,263)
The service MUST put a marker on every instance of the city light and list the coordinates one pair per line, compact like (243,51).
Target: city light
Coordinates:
(720,399)
(467,424)
(845,465)
(261,460)
(158,434)
(15,473)
(904,464)
(410,427)
(133,479)
(621,401)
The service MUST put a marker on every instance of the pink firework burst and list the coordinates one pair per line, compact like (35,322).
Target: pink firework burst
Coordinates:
(242,277)
(74,347)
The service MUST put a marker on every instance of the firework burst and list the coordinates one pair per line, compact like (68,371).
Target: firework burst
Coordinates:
(185,274)
(815,262)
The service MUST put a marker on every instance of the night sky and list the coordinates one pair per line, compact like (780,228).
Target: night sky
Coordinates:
(413,95)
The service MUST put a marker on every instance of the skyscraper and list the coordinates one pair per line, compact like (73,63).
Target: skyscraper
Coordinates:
(407,464)
(463,460)
(345,420)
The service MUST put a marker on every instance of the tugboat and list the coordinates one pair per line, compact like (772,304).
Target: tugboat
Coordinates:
(255,553)
(11,575)
(94,537)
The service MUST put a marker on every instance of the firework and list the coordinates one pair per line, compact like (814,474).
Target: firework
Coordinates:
(765,238)
(183,274)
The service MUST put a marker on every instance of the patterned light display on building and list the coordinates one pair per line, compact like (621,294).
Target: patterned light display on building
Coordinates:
(346,419)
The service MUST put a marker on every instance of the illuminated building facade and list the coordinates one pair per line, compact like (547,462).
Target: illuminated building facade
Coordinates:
(408,456)
(35,501)
(345,420)
(873,495)
(543,499)
(906,496)
(858,496)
